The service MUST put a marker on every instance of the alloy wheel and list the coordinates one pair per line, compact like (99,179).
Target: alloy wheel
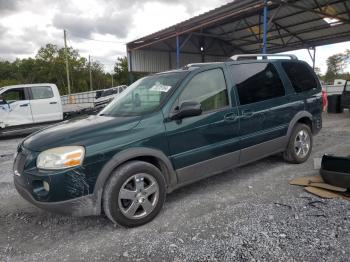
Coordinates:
(302,144)
(138,196)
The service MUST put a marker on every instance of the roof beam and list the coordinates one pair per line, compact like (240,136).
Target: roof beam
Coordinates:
(344,20)
(344,36)
(287,16)
(224,40)
(168,45)
(250,30)
(222,47)
(291,33)
(318,5)
(279,33)
(347,8)
(308,43)
(183,52)
(185,41)
(272,17)
(232,44)
(293,25)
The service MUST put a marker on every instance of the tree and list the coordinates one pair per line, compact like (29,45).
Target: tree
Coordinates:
(336,65)
(318,72)
(48,66)
(121,71)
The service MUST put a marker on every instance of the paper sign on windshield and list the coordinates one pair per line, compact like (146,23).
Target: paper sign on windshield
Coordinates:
(160,88)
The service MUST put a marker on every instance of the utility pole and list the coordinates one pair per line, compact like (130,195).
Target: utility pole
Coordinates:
(66,52)
(90,74)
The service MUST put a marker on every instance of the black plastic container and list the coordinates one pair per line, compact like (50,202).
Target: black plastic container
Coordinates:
(335,170)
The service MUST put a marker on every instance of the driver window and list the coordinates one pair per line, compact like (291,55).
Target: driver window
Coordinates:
(208,88)
(14,95)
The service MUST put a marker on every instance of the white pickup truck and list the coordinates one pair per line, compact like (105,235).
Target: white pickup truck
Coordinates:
(29,106)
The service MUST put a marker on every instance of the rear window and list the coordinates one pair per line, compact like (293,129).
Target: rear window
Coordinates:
(41,92)
(300,76)
(256,82)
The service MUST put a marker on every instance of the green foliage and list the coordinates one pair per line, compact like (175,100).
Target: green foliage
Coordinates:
(49,66)
(121,71)
(336,65)
(122,75)
(318,72)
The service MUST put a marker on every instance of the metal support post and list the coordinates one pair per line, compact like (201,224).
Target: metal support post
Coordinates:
(264,50)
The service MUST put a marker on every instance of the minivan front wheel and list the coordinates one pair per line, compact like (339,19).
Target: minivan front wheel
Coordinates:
(134,194)
(300,144)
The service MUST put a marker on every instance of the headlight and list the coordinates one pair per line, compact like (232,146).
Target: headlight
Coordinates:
(61,157)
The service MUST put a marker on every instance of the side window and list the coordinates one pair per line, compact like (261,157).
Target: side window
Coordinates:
(256,82)
(207,88)
(300,76)
(14,95)
(41,92)
(347,87)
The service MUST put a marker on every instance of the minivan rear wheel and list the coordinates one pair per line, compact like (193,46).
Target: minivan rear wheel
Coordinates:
(134,194)
(300,144)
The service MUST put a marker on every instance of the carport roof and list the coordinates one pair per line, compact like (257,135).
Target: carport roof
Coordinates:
(237,27)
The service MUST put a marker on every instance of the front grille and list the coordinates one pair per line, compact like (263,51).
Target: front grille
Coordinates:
(20,162)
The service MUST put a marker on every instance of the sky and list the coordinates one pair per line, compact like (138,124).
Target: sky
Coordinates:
(101,28)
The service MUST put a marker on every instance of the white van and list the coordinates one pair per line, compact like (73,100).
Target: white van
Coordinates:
(29,105)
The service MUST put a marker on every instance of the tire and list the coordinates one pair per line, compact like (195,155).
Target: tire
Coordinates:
(134,194)
(299,147)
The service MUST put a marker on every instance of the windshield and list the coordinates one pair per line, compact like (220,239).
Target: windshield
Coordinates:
(143,96)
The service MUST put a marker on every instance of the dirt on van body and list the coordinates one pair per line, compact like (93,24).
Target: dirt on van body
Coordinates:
(246,214)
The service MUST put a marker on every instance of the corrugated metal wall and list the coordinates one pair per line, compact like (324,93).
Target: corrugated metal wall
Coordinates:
(158,61)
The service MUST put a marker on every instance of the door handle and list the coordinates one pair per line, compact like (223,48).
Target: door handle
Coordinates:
(247,113)
(24,105)
(230,117)
(53,103)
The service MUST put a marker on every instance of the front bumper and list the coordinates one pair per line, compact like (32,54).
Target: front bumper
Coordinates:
(81,206)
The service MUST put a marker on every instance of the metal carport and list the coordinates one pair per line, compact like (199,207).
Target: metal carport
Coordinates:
(243,26)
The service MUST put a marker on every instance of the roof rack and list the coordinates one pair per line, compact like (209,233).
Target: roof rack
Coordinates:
(263,56)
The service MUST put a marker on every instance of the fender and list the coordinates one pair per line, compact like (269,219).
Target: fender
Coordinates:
(295,119)
(128,154)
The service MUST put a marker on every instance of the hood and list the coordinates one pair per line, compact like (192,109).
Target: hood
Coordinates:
(84,132)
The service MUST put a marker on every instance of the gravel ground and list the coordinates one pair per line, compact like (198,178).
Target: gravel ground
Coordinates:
(247,214)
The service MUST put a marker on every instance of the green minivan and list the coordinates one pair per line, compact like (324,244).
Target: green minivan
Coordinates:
(167,130)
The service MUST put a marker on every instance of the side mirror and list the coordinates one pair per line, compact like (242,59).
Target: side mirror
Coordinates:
(187,109)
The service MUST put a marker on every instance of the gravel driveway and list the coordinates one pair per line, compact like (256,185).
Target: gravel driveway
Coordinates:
(247,214)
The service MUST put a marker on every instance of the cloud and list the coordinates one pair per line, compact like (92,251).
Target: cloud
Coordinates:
(77,26)
(3,30)
(191,6)
(26,25)
(40,37)
(116,24)
(11,50)
(8,5)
